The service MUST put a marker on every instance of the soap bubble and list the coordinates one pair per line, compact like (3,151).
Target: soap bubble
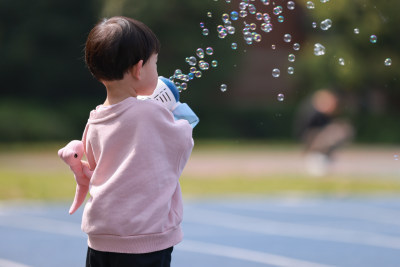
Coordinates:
(204,65)
(209,14)
(200,52)
(209,51)
(257,37)
(310,5)
(243,13)
(265,2)
(326,24)
(214,63)
(192,61)
(193,69)
(231,29)
(281,19)
(228,1)
(225,17)
(198,74)
(324,1)
(183,86)
(281,97)
(266,17)
(319,49)
(287,38)
(201,24)
(234,15)
(396,157)
(290,70)
(252,9)
(177,72)
(191,76)
(373,39)
(243,5)
(314,25)
(205,31)
(342,62)
(259,16)
(357,31)
(276,73)
(296,46)
(234,46)
(277,10)
(291,58)
(388,62)
(266,27)
(291,5)
(223,87)
(273,47)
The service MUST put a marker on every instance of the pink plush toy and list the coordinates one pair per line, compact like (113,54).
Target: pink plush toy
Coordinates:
(72,154)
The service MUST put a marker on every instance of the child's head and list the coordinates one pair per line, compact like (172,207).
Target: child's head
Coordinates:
(115,45)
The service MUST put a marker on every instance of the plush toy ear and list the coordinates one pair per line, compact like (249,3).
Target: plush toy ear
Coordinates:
(61,152)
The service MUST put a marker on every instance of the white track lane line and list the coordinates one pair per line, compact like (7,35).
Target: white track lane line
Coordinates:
(277,228)
(244,254)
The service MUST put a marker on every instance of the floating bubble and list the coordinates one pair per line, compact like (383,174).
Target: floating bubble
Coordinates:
(200,52)
(324,1)
(228,23)
(183,86)
(291,58)
(204,65)
(243,13)
(205,32)
(231,29)
(198,74)
(265,2)
(209,14)
(314,25)
(296,46)
(223,87)
(193,69)
(266,17)
(388,62)
(228,1)
(234,15)
(287,38)
(253,26)
(257,37)
(357,31)
(342,62)
(243,5)
(291,5)
(225,17)
(248,37)
(276,73)
(178,72)
(191,76)
(326,24)
(259,16)
(281,19)
(234,46)
(310,5)
(319,49)
(273,47)
(373,39)
(396,157)
(201,24)
(252,9)
(277,10)
(290,70)
(214,63)
(281,97)
(209,51)
(266,27)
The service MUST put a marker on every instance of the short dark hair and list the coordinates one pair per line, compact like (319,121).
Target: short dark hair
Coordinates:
(116,44)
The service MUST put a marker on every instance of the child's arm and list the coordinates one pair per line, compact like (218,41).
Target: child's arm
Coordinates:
(167,93)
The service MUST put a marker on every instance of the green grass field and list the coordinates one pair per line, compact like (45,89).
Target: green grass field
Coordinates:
(36,173)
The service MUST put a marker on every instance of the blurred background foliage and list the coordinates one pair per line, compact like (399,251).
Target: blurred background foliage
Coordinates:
(47,92)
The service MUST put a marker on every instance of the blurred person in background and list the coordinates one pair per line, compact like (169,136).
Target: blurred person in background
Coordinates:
(321,130)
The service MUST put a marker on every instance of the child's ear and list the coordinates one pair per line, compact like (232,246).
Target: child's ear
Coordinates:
(136,70)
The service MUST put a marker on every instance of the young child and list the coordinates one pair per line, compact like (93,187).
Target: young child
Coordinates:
(136,149)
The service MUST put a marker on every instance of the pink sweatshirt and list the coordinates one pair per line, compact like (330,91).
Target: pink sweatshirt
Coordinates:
(137,152)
